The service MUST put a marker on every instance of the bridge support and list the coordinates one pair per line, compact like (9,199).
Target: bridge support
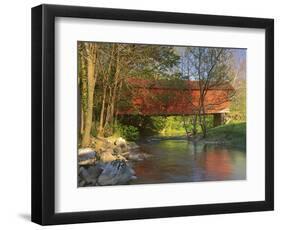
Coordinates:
(218,119)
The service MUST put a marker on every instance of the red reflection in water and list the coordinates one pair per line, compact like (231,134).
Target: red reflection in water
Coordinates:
(217,163)
(148,170)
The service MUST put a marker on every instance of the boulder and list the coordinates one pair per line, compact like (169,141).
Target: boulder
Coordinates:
(100,166)
(102,143)
(121,158)
(121,143)
(89,175)
(107,156)
(82,183)
(125,154)
(85,150)
(117,150)
(86,156)
(83,175)
(116,172)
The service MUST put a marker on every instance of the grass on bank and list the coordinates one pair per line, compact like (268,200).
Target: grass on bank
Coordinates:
(233,134)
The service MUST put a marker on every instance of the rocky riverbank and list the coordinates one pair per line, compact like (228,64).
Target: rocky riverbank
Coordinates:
(108,162)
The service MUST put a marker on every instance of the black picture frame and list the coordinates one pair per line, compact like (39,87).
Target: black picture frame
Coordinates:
(43,114)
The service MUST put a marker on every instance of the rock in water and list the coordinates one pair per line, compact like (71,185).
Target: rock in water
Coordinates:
(116,172)
(135,157)
(132,146)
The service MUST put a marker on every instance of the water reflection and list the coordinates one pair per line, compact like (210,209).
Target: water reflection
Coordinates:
(177,160)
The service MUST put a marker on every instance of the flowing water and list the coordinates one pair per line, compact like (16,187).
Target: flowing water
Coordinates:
(174,159)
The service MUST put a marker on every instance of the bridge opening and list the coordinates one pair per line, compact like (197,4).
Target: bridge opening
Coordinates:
(169,125)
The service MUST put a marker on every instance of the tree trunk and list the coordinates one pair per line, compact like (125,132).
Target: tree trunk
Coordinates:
(107,117)
(91,64)
(203,121)
(81,122)
(194,124)
(101,127)
(204,126)
(116,105)
(202,118)
(82,91)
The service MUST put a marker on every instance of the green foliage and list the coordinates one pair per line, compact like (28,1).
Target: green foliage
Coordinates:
(188,125)
(128,132)
(238,104)
(94,131)
(173,125)
(156,123)
(209,121)
(147,125)
(152,60)
(234,134)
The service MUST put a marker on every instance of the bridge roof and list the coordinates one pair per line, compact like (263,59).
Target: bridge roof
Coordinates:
(166,97)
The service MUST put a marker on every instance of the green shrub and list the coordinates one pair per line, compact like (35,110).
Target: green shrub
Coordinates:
(129,132)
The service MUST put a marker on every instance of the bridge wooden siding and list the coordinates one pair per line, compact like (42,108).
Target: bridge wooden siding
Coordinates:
(157,98)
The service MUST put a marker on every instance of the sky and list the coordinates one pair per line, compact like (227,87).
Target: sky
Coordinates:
(239,55)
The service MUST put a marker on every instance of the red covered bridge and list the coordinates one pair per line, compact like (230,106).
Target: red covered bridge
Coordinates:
(164,97)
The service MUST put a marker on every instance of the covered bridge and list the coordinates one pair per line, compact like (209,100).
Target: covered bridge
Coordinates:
(167,97)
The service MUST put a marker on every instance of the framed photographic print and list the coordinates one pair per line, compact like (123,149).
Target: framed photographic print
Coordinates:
(141,114)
